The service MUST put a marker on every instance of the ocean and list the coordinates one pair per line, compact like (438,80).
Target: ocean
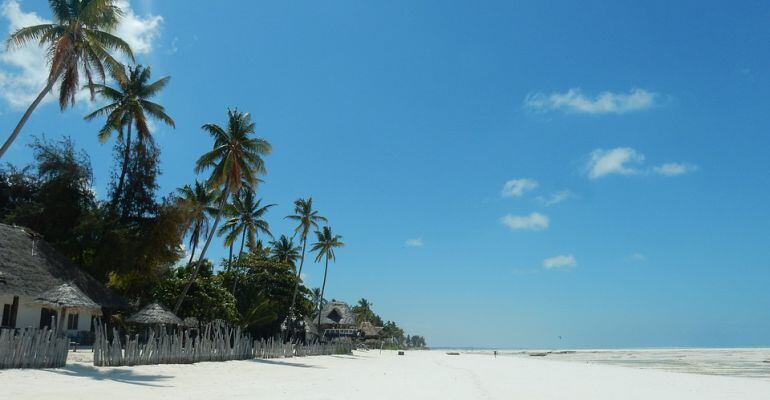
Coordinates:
(751,363)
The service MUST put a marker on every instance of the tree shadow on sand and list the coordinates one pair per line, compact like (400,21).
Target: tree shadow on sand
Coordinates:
(122,375)
(283,363)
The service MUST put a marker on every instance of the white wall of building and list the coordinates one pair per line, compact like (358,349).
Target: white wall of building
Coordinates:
(28,315)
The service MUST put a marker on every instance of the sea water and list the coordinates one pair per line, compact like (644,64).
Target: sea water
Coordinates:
(752,363)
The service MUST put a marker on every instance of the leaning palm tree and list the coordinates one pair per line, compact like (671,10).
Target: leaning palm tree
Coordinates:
(235,158)
(197,202)
(307,218)
(285,251)
(327,242)
(79,40)
(129,106)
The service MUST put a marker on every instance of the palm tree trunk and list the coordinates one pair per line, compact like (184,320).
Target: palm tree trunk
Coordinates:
(296,287)
(230,257)
(25,117)
(205,248)
(192,253)
(323,288)
(123,170)
(240,253)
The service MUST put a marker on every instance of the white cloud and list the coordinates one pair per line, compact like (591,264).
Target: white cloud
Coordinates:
(139,32)
(556,198)
(575,101)
(616,161)
(23,71)
(414,242)
(562,261)
(517,187)
(534,221)
(638,257)
(674,169)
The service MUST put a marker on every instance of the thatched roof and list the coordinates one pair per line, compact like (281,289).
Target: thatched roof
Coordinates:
(337,313)
(155,313)
(369,329)
(29,266)
(69,296)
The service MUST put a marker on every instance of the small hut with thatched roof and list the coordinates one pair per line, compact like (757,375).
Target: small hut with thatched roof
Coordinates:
(155,314)
(30,269)
(67,297)
(369,332)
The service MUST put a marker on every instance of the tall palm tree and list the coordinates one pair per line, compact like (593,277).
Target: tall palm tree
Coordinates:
(197,202)
(285,251)
(129,105)
(235,159)
(307,218)
(324,246)
(79,39)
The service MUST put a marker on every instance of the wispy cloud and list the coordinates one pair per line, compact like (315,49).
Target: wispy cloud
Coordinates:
(638,257)
(627,161)
(534,222)
(574,101)
(517,187)
(621,160)
(414,242)
(556,198)
(674,169)
(23,71)
(561,261)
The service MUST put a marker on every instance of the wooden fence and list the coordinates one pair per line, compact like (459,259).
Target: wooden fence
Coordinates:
(276,349)
(216,342)
(32,348)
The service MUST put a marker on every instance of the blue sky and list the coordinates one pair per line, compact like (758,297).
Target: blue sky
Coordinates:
(503,174)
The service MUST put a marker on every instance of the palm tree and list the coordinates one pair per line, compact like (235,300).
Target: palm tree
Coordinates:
(365,310)
(307,218)
(325,245)
(197,202)
(79,39)
(285,251)
(235,159)
(129,105)
(245,219)
(316,297)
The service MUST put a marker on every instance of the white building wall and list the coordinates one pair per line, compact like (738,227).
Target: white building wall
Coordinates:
(28,315)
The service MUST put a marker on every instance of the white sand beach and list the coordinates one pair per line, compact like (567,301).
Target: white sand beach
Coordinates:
(371,375)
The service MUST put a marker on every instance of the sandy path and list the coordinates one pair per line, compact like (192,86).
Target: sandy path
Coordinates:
(418,375)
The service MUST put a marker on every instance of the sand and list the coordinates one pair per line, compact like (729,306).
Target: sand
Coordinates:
(373,376)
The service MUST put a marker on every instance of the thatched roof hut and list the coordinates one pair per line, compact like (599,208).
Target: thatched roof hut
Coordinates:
(369,330)
(337,314)
(67,296)
(155,314)
(29,267)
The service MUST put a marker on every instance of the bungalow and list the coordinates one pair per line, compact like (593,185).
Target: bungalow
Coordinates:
(337,320)
(370,333)
(33,276)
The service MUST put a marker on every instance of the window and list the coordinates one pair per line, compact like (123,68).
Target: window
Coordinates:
(6,315)
(72,322)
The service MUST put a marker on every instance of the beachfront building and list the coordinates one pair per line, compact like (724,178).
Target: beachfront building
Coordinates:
(337,321)
(40,287)
(369,333)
